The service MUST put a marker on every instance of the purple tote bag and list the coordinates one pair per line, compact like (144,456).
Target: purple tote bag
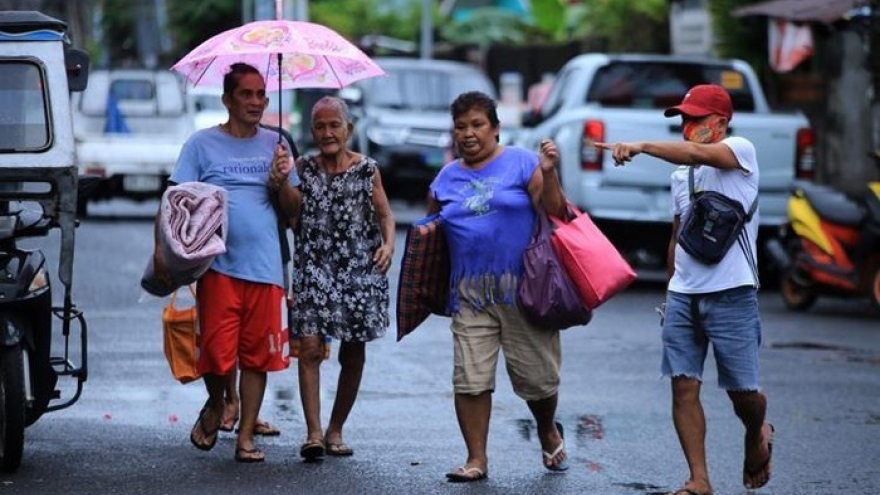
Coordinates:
(546,295)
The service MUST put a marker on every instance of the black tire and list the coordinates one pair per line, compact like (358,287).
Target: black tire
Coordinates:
(796,296)
(875,289)
(12,408)
(82,208)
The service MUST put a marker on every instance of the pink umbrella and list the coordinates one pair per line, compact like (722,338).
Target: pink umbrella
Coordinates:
(292,54)
(309,55)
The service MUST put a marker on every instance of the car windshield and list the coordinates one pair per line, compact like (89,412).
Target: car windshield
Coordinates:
(421,89)
(24,120)
(662,85)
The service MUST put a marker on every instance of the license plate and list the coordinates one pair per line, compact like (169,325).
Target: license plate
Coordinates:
(141,183)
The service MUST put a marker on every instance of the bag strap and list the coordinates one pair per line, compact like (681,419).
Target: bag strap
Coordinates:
(746,246)
(752,209)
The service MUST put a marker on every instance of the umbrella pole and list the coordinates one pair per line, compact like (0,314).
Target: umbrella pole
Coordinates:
(279,98)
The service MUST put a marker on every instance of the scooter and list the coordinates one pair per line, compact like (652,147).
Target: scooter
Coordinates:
(830,246)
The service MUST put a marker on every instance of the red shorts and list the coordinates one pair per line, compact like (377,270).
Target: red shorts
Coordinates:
(239,321)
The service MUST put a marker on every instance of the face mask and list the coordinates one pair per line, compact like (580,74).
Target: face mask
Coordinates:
(701,131)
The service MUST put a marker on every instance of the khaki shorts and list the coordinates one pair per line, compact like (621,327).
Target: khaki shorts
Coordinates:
(532,354)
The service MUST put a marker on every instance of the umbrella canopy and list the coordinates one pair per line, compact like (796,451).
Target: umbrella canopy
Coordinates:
(291,54)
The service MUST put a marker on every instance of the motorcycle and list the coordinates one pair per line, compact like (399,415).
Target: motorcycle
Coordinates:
(830,246)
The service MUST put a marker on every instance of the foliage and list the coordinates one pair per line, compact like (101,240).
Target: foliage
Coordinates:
(627,25)
(191,23)
(552,17)
(489,25)
(561,21)
(357,18)
(735,37)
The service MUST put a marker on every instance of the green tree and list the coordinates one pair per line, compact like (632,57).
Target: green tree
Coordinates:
(192,22)
(627,26)
(735,37)
(357,18)
(561,21)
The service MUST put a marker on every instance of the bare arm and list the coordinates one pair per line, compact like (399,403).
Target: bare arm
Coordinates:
(716,155)
(544,186)
(288,197)
(433,205)
(670,250)
(382,256)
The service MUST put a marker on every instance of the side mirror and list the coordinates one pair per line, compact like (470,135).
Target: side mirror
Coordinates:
(351,95)
(76,63)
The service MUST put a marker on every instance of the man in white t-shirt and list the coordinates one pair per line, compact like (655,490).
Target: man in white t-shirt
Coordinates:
(711,304)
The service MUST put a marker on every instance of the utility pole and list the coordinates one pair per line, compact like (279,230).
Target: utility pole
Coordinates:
(427,34)
(874,65)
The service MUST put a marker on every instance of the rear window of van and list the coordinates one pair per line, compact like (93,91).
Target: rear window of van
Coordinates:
(662,85)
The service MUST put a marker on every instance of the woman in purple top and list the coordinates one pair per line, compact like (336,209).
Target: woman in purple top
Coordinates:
(487,200)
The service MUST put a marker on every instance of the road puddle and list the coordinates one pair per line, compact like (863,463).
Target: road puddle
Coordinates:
(848,354)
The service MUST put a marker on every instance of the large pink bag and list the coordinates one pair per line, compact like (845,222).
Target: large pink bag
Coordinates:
(593,264)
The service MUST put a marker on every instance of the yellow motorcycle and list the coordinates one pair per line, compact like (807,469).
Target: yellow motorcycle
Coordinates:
(830,246)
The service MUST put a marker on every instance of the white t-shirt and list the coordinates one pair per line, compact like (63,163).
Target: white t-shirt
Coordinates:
(692,276)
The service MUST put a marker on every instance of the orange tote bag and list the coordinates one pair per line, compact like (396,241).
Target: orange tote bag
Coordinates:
(181,339)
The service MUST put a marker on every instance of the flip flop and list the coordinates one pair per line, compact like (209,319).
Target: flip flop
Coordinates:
(249,455)
(312,450)
(687,491)
(228,426)
(562,466)
(265,428)
(339,449)
(751,473)
(206,432)
(466,475)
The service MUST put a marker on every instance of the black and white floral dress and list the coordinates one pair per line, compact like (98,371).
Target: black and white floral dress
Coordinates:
(338,291)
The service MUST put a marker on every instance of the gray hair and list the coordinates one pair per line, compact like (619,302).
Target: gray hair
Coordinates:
(334,103)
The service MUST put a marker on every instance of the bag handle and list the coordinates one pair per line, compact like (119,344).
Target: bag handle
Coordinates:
(571,211)
(174,295)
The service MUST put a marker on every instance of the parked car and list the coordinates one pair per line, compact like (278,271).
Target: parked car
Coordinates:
(612,98)
(130,125)
(206,105)
(403,121)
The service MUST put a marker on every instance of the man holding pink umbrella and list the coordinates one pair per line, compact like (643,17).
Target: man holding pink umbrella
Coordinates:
(240,298)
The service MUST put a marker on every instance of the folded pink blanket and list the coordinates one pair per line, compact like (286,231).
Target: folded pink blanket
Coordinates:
(192,231)
(193,220)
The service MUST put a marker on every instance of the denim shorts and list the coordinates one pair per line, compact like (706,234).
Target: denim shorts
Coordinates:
(728,320)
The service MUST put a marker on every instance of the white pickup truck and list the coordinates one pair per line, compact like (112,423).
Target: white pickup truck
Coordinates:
(612,98)
(130,125)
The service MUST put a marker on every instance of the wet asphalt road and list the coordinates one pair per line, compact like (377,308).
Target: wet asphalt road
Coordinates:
(128,434)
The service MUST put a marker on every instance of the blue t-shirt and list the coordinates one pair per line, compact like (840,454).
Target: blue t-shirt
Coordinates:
(488,219)
(241,167)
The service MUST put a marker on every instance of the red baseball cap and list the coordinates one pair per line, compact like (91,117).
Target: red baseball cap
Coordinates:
(702,100)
